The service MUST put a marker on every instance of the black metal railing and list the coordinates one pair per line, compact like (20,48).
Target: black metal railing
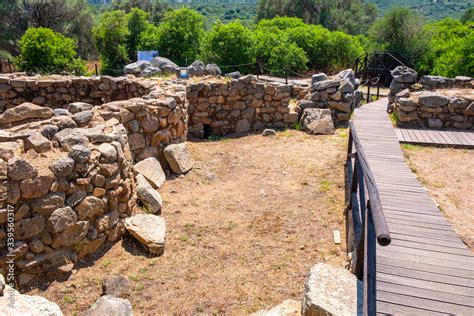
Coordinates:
(365,220)
(377,64)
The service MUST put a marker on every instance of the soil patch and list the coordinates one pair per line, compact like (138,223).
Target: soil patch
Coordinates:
(243,229)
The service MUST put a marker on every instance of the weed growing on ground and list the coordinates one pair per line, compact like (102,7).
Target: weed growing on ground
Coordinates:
(325,185)
(69,299)
(297,126)
(106,263)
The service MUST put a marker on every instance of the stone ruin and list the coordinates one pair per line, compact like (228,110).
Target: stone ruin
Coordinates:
(436,102)
(82,159)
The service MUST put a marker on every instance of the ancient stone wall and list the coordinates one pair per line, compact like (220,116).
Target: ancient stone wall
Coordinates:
(67,192)
(67,173)
(435,109)
(434,102)
(238,105)
(58,91)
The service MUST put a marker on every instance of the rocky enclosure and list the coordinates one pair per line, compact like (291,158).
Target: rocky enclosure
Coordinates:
(81,158)
(436,102)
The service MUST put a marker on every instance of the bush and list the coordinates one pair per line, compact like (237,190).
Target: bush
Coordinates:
(111,36)
(315,40)
(45,51)
(149,39)
(180,35)
(287,58)
(451,49)
(344,50)
(229,44)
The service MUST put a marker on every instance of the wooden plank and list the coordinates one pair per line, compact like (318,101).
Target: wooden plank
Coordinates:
(423,275)
(426,267)
(384,308)
(429,285)
(424,293)
(424,303)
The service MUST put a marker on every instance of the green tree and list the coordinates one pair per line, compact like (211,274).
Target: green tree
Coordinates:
(468,16)
(287,58)
(401,32)
(137,23)
(149,39)
(229,44)
(451,49)
(180,35)
(111,36)
(45,51)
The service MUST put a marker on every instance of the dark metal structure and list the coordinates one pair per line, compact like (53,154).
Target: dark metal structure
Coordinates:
(377,65)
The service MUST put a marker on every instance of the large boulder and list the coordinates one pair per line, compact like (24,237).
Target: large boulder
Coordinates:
(136,68)
(331,291)
(213,70)
(197,69)
(317,121)
(318,77)
(150,198)
(404,74)
(178,158)
(326,84)
(165,65)
(151,169)
(234,75)
(348,75)
(110,306)
(25,304)
(25,111)
(433,99)
(117,286)
(149,230)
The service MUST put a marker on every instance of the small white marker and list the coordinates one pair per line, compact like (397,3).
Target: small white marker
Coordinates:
(337,236)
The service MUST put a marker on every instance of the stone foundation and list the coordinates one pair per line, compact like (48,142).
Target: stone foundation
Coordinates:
(436,102)
(66,168)
(435,109)
(239,105)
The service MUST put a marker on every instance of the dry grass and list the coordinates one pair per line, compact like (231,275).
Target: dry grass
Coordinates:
(244,228)
(448,175)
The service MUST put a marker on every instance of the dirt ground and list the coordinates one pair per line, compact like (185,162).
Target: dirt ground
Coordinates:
(448,175)
(243,229)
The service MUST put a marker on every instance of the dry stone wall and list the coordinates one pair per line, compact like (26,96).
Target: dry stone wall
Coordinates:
(238,105)
(435,109)
(435,102)
(58,91)
(67,169)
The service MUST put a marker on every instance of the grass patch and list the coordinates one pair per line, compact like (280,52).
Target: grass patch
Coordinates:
(297,126)
(68,299)
(394,118)
(325,185)
(106,263)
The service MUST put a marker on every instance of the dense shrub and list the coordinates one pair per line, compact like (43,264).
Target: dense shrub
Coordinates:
(180,35)
(45,51)
(229,44)
(287,58)
(451,49)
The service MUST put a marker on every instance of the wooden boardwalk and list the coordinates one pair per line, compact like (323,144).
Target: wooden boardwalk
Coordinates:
(427,269)
(436,137)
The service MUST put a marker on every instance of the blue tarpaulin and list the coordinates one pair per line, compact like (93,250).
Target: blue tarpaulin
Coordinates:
(147,55)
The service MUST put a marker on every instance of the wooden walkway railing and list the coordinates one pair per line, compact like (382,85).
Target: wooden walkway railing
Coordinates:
(365,214)
(409,257)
